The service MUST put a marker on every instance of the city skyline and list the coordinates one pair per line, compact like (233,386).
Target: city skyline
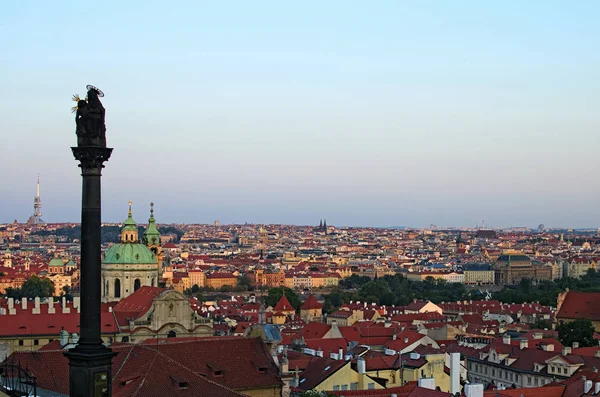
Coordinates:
(479,225)
(369,116)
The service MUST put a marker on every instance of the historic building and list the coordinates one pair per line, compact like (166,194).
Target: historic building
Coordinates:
(512,268)
(129,265)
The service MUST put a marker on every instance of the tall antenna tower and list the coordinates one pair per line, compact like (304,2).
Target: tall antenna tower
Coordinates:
(36,218)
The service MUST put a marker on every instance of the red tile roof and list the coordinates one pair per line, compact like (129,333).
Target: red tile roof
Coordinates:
(311,303)
(283,305)
(580,305)
(209,366)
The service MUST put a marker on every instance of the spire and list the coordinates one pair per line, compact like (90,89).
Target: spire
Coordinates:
(152,235)
(37,192)
(129,232)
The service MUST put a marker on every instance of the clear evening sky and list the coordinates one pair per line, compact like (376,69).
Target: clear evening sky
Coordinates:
(362,112)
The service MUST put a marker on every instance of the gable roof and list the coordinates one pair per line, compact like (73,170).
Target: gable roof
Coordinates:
(311,303)
(283,305)
(157,366)
(319,369)
(580,305)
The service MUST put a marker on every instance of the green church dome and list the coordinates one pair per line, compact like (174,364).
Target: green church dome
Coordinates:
(129,253)
(56,262)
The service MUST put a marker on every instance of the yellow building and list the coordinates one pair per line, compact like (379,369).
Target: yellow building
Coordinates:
(344,318)
(60,281)
(389,369)
(197,277)
(322,374)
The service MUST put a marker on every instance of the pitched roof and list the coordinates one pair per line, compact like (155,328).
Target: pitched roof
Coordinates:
(317,370)
(311,303)
(283,305)
(580,305)
(137,370)
(136,304)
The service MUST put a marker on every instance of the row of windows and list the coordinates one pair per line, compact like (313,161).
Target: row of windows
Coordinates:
(36,342)
(353,386)
(508,375)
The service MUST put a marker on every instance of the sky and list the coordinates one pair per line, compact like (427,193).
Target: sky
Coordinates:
(386,113)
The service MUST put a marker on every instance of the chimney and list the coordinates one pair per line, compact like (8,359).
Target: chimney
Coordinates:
(64,337)
(427,383)
(110,309)
(65,309)
(523,344)
(406,339)
(587,386)
(575,345)
(11,307)
(566,351)
(24,304)
(597,353)
(474,390)
(597,388)
(320,352)
(76,302)
(36,308)
(74,338)
(51,309)
(394,336)
(454,373)
(506,339)
(341,353)
(361,365)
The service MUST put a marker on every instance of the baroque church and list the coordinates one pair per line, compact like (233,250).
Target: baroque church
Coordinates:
(131,263)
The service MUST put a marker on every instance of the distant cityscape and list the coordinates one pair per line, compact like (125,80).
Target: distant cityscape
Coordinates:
(319,308)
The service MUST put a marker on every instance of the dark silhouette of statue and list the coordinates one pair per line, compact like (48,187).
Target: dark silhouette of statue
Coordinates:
(90,119)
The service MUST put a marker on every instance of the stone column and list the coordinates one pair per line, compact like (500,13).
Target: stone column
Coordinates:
(90,361)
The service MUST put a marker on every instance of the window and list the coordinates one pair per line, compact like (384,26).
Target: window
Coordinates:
(344,387)
(371,386)
(336,387)
(354,386)
(117,288)
(36,342)
(137,284)
(20,342)
(565,370)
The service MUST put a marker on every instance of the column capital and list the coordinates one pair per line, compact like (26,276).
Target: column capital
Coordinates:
(91,158)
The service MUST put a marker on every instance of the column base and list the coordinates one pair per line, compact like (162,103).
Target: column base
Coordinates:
(90,372)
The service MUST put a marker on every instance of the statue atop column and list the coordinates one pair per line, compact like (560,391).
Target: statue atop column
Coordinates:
(90,118)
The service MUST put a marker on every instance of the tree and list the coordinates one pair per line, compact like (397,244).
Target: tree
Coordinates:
(195,289)
(243,282)
(275,295)
(36,286)
(580,330)
(226,288)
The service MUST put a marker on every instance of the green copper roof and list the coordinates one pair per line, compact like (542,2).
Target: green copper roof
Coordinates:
(56,262)
(129,224)
(152,235)
(129,253)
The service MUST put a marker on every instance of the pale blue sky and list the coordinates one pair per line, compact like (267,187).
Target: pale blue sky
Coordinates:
(366,113)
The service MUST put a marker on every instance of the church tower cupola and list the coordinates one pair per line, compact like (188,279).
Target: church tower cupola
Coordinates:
(129,232)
